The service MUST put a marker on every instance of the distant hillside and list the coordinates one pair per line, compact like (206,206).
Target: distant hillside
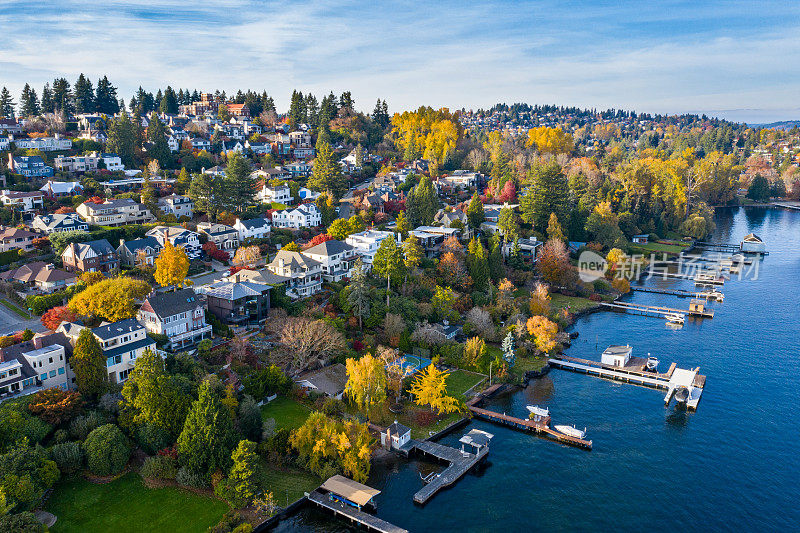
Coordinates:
(782,125)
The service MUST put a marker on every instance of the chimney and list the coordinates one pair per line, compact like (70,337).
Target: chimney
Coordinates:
(37,341)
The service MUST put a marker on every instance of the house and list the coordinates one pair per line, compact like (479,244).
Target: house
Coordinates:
(299,169)
(274,193)
(16,239)
(254,228)
(179,237)
(177,314)
(54,223)
(752,243)
(89,162)
(224,236)
(329,381)
(29,166)
(239,110)
(175,204)
(24,201)
(461,179)
(271,174)
(139,252)
(367,242)
(302,216)
(258,148)
(300,138)
(5,143)
(395,436)
(336,258)
(307,194)
(304,274)
(198,143)
(43,276)
(173,143)
(432,237)
(640,239)
(303,152)
(114,212)
(238,303)
(34,365)
(45,144)
(60,189)
(216,170)
(616,355)
(91,256)
(9,126)
(122,342)
(447,331)
(446,218)
(527,248)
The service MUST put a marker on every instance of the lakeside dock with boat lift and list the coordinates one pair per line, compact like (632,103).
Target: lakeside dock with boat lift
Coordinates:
(370,522)
(696,309)
(714,294)
(346,497)
(633,372)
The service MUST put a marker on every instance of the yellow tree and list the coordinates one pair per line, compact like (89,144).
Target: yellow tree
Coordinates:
(111,299)
(544,332)
(430,388)
(540,300)
(550,140)
(247,255)
(366,381)
(90,278)
(172,265)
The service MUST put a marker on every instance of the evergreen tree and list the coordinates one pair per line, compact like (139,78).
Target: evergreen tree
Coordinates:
(243,480)
(297,108)
(122,139)
(508,224)
(422,203)
(62,96)
(312,110)
(238,184)
(88,364)
(6,104)
(29,102)
(106,97)
(759,189)
(346,101)
(169,103)
(203,191)
(358,297)
(158,148)
(47,99)
(327,173)
(549,193)
(496,270)
(183,182)
(205,443)
(84,95)
(388,262)
(380,114)
(475,213)
(328,110)
(554,230)
(478,263)
(401,225)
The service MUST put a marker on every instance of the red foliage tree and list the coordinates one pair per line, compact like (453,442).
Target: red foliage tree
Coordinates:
(63,210)
(55,316)
(319,239)
(55,405)
(509,192)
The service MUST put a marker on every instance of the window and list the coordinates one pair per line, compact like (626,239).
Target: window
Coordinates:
(61,371)
(52,373)
(43,377)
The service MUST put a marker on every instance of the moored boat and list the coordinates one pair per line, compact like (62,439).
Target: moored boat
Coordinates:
(538,411)
(652,363)
(681,395)
(572,431)
(675,318)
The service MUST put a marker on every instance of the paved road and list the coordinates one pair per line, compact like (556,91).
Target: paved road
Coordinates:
(10,322)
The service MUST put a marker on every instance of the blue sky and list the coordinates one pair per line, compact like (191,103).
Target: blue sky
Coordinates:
(733,59)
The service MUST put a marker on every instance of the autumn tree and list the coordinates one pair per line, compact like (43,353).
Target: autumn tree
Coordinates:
(111,299)
(554,230)
(540,300)
(90,278)
(55,405)
(402,226)
(430,388)
(324,444)
(366,381)
(553,264)
(247,255)
(544,333)
(88,364)
(310,341)
(412,254)
(508,224)
(550,140)
(475,353)
(55,316)
(172,266)
(442,301)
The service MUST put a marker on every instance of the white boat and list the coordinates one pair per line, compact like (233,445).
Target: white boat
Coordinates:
(682,395)
(539,411)
(652,363)
(572,431)
(675,318)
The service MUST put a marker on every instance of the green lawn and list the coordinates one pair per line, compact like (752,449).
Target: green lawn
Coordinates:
(575,303)
(521,365)
(15,309)
(287,413)
(126,505)
(296,482)
(657,247)
(460,381)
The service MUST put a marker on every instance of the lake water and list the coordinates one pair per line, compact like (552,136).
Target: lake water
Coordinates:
(731,465)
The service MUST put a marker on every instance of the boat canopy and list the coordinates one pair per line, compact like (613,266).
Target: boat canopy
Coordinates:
(350,490)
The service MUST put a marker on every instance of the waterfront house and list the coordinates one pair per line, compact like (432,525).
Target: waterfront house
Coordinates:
(395,436)
(752,243)
(616,355)
(177,314)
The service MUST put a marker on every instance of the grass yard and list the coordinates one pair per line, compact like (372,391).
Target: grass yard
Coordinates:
(574,303)
(521,365)
(16,310)
(287,413)
(657,247)
(296,482)
(126,505)
(460,381)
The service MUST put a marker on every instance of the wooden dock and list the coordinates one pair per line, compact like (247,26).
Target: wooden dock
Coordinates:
(670,381)
(371,522)
(655,310)
(459,463)
(707,295)
(540,426)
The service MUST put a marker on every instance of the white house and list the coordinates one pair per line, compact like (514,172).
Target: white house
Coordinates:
(34,365)
(278,193)
(45,144)
(115,212)
(304,273)
(254,228)
(302,216)
(175,204)
(336,258)
(367,242)
(25,201)
(395,436)
(616,355)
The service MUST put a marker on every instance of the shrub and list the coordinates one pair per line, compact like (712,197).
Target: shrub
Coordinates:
(21,523)
(110,402)
(152,438)
(61,435)
(80,428)
(68,456)
(159,467)
(424,418)
(190,478)
(107,450)
(596,298)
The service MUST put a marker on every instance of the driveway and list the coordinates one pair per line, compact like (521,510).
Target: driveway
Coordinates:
(10,322)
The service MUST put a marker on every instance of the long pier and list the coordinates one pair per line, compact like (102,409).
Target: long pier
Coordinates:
(700,279)
(655,310)
(371,522)
(460,462)
(707,295)
(673,380)
(540,426)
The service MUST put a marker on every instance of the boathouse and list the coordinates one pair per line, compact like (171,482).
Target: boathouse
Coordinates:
(396,436)
(477,438)
(753,244)
(640,239)
(616,355)
(697,306)
(350,492)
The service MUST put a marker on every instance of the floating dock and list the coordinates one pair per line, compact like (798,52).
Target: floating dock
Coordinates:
(460,462)
(371,522)
(707,295)
(658,311)
(674,379)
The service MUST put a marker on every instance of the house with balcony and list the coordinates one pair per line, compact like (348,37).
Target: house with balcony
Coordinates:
(336,257)
(302,216)
(91,256)
(238,303)
(367,242)
(138,252)
(54,223)
(175,204)
(179,237)
(224,236)
(304,274)
(45,144)
(23,201)
(16,239)
(29,166)
(274,193)
(61,189)
(177,314)
(36,364)
(88,162)
(254,228)
(115,212)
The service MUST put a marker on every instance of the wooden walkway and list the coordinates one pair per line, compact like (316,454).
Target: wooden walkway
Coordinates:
(459,464)
(540,426)
(656,310)
(707,295)
(367,520)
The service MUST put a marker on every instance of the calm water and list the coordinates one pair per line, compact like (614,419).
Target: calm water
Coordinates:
(729,466)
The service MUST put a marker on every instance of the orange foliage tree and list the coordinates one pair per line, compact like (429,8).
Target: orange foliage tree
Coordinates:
(55,316)
(55,405)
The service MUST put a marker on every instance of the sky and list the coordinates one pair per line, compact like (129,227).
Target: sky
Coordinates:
(732,59)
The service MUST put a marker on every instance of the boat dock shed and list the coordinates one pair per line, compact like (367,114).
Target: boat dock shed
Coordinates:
(346,497)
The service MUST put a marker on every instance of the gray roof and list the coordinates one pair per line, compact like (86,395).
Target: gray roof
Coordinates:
(166,304)
(331,247)
(398,429)
(125,348)
(140,244)
(259,222)
(115,329)
(100,247)
(331,380)
(227,290)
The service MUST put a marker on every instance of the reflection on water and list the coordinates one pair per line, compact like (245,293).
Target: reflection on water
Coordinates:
(540,390)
